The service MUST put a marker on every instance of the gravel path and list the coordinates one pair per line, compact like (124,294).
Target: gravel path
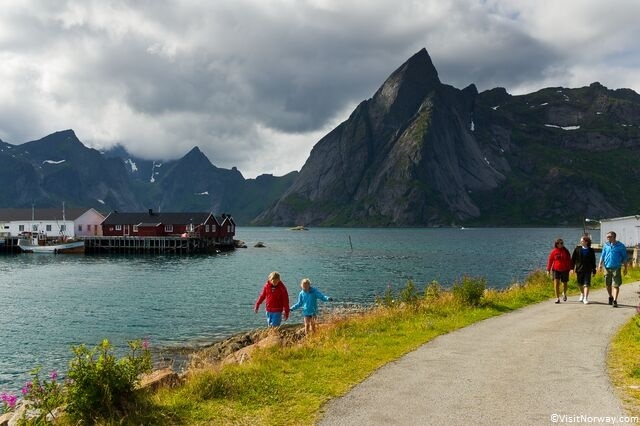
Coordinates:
(521,368)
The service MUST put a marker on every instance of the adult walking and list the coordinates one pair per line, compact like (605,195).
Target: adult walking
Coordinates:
(583,261)
(614,259)
(559,265)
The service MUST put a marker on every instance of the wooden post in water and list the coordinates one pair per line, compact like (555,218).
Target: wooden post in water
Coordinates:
(351,245)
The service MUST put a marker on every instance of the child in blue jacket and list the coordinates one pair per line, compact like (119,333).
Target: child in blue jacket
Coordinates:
(308,300)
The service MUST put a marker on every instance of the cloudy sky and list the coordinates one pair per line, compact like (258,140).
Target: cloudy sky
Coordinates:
(256,83)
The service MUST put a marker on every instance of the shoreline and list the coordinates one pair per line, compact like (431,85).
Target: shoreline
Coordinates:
(182,359)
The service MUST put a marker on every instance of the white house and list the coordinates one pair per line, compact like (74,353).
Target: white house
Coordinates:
(627,229)
(52,222)
(88,224)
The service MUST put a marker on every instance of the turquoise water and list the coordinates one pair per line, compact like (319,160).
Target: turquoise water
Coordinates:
(49,303)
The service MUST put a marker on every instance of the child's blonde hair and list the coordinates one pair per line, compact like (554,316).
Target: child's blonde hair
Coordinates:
(305,281)
(273,275)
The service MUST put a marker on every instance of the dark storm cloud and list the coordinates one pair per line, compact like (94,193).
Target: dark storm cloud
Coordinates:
(255,83)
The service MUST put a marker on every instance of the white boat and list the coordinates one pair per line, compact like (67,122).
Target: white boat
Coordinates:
(40,244)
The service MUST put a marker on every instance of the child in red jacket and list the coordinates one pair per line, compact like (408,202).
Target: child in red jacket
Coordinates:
(277,297)
(559,264)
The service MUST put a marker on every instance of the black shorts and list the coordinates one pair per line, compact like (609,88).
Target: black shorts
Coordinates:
(561,275)
(584,278)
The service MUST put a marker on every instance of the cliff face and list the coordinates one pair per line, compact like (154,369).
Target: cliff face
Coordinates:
(422,153)
(407,156)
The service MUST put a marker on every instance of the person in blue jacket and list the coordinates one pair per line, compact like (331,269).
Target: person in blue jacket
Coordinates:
(308,301)
(614,258)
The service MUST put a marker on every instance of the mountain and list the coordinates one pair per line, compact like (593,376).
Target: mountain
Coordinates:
(60,168)
(423,153)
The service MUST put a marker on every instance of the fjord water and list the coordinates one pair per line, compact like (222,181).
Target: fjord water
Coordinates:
(50,302)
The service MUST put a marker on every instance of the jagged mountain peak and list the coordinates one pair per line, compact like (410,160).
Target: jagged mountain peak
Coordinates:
(408,85)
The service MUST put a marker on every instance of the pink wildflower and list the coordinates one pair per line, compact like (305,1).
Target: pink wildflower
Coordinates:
(53,375)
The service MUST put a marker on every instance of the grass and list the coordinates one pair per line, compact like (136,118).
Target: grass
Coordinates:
(290,384)
(623,362)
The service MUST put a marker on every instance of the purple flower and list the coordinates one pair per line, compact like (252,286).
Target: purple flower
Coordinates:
(145,343)
(4,397)
(25,390)
(53,375)
(12,401)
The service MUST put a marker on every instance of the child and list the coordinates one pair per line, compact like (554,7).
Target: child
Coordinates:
(308,299)
(275,292)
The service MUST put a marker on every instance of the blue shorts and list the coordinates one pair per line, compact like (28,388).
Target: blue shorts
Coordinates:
(274,318)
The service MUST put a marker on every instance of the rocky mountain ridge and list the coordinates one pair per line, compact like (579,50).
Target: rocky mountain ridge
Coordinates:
(423,153)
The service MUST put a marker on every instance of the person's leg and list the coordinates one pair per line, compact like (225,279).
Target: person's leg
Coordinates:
(313,324)
(565,281)
(556,288)
(607,282)
(586,294)
(307,325)
(617,281)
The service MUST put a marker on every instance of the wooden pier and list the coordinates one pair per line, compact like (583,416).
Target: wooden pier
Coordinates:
(154,245)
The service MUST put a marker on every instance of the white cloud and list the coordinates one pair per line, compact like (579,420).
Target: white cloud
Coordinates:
(256,83)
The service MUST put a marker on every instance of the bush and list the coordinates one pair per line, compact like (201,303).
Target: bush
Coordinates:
(102,386)
(43,395)
(432,291)
(469,290)
(409,294)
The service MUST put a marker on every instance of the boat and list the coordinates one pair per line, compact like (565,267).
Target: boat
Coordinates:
(40,244)
(299,228)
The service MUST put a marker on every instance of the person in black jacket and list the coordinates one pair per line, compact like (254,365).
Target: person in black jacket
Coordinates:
(583,262)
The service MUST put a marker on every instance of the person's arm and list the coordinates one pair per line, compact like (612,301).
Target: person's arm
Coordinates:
(285,295)
(298,304)
(263,295)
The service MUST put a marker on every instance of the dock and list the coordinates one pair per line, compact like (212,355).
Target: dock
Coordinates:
(154,245)
(139,245)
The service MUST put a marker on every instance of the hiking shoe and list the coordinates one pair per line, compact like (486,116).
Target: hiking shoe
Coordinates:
(564,297)
(581,298)
(557,300)
(585,301)
(615,304)
(611,300)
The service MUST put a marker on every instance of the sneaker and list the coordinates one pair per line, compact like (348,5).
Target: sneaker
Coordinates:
(615,304)
(585,301)
(564,297)
(611,300)
(581,298)
(557,300)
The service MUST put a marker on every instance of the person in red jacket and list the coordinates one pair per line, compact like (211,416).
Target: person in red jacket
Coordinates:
(559,264)
(277,297)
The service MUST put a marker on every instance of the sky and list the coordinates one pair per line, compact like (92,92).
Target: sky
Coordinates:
(255,84)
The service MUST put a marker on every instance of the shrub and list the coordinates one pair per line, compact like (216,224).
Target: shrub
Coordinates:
(469,290)
(43,395)
(432,291)
(102,386)
(9,402)
(409,294)
(386,299)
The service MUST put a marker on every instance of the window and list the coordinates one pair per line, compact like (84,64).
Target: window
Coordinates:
(118,227)
(88,227)
(206,228)
(168,228)
(48,228)
(34,228)
(135,228)
(21,228)
(63,228)
(79,228)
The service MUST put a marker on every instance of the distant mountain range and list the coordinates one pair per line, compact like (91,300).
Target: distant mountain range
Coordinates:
(418,153)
